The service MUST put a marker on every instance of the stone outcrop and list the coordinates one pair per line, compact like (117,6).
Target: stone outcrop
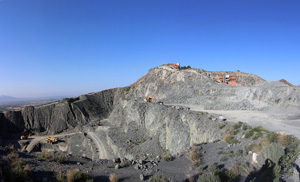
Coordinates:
(59,116)
(176,128)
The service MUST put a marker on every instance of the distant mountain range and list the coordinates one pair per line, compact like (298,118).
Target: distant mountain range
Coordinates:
(6,98)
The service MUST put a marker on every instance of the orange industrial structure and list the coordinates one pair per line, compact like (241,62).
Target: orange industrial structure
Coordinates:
(226,79)
(24,137)
(176,66)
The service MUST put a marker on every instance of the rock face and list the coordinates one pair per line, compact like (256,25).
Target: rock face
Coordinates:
(175,128)
(59,116)
(11,122)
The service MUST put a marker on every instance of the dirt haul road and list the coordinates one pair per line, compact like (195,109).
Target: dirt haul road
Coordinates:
(36,139)
(100,146)
(272,121)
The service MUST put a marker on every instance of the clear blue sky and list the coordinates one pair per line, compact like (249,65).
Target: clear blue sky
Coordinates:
(72,47)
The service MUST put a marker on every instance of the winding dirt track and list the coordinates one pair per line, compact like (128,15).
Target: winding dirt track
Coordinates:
(99,144)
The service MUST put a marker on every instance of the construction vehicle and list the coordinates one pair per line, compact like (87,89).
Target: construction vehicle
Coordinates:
(150,99)
(176,66)
(51,140)
(24,137)
(226,79)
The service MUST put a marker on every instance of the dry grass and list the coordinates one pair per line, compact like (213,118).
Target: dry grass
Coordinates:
(45,154)
(230,129)
(234,169)
(284,139)
(227,137)
(190,178)
(27,168)
(195,156)
(195,153)
(246,169)
(264,143)
(113,178)
(255,149)
(9,148)
(59,176)
(12,156)
(70,175)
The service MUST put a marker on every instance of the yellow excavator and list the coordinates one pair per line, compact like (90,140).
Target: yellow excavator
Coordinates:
(51,140)
(150,99)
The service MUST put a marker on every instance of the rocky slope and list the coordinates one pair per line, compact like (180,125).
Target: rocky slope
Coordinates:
(59,116)
(118,123)
(173,86)
(197,86)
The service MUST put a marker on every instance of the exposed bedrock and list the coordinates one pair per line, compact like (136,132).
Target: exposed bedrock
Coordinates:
(175,128)
(59,116)
(197,86)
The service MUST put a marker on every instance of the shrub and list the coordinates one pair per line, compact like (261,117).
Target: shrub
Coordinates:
(273,151)
(39,158)
(59,176)
(255,137)
(234,132)
(227,137)
(158,178)
(264,143)
(222,126)
(253,147)
(12,156)
(17,164)
(233,141)
(15,170)
(209,177)
(238,125)
(45,154)
(234,169)
(77,176)
(249,134)
(284,139)
(246,168)
(291,154)
(167,156)
(245,126)
(216,175)
(185,67)
(59,159)
(27,169)
(272,137)
(238,153)
(195,154)
(113,178)
(9,148)
(223,159)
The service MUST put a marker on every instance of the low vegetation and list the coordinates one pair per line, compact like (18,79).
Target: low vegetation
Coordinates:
(185,67)
(113,178)
(76,175)
(195,156)
(158,178)
(216,175)
(13,168)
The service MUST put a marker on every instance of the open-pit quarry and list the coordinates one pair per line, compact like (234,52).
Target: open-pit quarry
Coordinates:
(197,129)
